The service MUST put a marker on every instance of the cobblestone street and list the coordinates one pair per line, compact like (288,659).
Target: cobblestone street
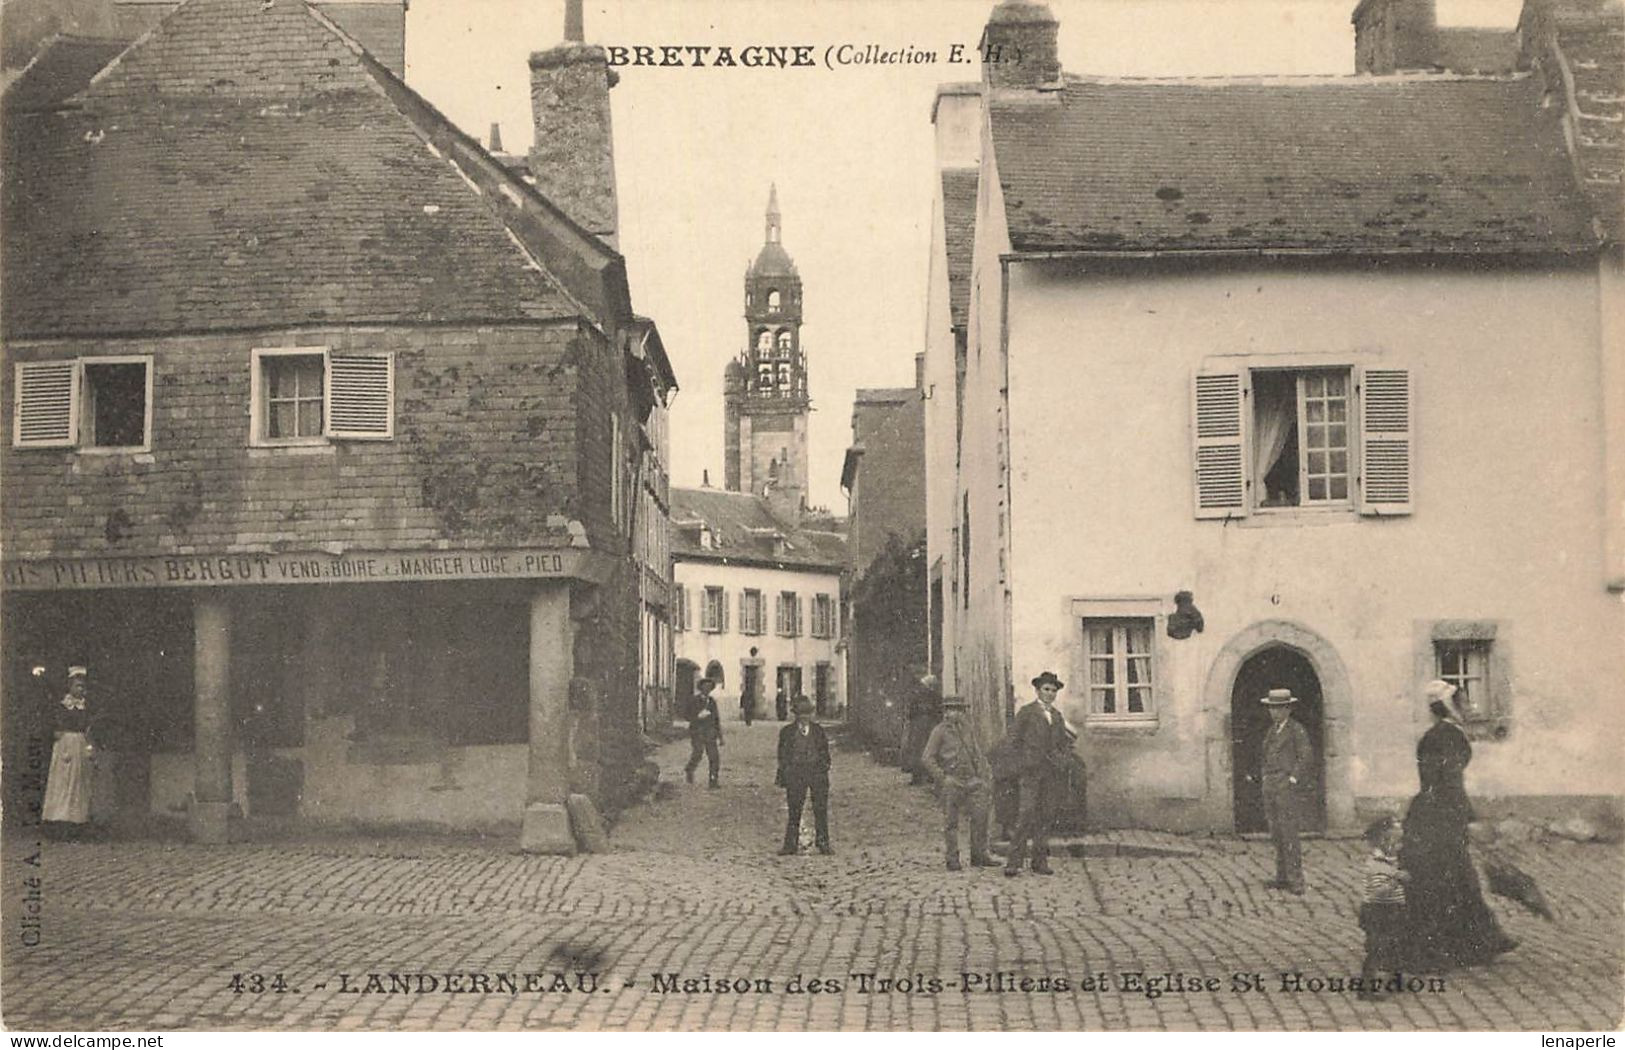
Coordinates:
(148,935)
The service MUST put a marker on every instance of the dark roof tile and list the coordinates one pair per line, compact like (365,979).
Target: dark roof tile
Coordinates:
(242,167)
(1348,165)
(743,529)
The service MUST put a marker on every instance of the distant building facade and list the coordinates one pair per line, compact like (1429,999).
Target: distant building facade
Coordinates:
(757,600)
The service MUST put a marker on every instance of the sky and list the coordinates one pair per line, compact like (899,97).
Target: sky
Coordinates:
(850,150)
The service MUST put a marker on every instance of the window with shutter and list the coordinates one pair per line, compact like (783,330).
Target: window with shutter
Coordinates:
(1385,441)
(46,412)
(361,396)
(1219,440)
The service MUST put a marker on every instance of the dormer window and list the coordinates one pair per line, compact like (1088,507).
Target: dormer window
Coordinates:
(707,538)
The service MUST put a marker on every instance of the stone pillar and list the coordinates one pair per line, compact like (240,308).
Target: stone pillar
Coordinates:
(547,822)
(211,718)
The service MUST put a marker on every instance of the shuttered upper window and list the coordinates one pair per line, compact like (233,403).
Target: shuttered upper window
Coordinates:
(1270,439)
(92,403)
(306,395)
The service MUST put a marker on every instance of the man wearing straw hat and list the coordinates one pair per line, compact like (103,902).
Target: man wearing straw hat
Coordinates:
(1285,761)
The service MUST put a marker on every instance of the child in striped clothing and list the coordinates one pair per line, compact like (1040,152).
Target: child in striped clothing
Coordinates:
(1382,912)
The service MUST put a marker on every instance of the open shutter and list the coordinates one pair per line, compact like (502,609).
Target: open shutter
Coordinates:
(46,413)
(722,611)
(1385,441)
(1219,444)
(361,396)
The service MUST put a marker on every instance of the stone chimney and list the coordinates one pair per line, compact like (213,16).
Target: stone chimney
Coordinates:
(573,159)
(1391,35)
(1019,46)
(1577,48)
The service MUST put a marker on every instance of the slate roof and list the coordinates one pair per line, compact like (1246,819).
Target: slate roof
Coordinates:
(1361,165)
(63,67)
(743,530)
(243,166)
(884,395)
(959,225)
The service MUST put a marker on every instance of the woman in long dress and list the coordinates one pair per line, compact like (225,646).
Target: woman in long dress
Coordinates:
(1450,923)
(67,785)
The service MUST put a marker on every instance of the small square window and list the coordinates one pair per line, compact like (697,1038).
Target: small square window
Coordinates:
(1118,654)
(1469,665)
(292,397)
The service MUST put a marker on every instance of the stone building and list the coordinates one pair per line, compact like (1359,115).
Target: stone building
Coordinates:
(1343,357)
(326,433)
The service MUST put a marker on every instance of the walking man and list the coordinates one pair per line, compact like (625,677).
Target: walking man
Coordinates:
(955,760)
(1042,745)
(804,768)
(1285,761)
(704,732)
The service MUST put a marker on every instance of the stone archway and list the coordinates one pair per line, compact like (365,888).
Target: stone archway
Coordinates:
(1337,700)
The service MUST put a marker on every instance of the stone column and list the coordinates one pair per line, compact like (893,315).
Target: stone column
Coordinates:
(211,718)
(547,823)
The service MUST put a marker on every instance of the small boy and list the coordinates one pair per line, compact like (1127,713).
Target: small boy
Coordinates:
(1382,912)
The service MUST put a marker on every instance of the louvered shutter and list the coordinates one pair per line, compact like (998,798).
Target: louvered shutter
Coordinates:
(1219,444)
(1385,441)
(361,396)
(46,412)
(722,610)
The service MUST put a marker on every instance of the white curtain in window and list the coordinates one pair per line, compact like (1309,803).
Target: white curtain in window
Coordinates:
(1274,420)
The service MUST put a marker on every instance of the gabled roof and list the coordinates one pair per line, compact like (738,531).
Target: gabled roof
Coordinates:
(246,165)
(959,224)
(745,531)
(1336,165)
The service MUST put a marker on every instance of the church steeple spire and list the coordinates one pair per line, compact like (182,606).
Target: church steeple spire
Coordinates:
(773,218)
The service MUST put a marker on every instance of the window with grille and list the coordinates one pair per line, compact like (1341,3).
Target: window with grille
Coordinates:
(1118,655)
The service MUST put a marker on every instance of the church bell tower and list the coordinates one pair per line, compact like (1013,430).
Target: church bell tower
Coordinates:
(765,401)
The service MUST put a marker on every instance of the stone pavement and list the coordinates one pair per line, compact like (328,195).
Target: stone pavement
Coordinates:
(692,922)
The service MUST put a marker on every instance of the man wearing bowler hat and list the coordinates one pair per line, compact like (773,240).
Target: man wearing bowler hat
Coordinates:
(1042,745)
(704,732)
(955,761)
(1285,761)
(804,769)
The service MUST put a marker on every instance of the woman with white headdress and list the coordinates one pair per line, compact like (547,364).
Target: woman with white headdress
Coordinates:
(1450,923)
(67,785)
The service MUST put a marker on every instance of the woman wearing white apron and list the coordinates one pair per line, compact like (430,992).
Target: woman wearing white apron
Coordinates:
(67,788)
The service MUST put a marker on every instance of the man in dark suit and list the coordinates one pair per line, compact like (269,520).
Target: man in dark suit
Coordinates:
(704,732)
(1042,746)
(1286,759)
(803,768)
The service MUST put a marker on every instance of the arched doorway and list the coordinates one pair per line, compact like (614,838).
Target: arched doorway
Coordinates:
(1274,667)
